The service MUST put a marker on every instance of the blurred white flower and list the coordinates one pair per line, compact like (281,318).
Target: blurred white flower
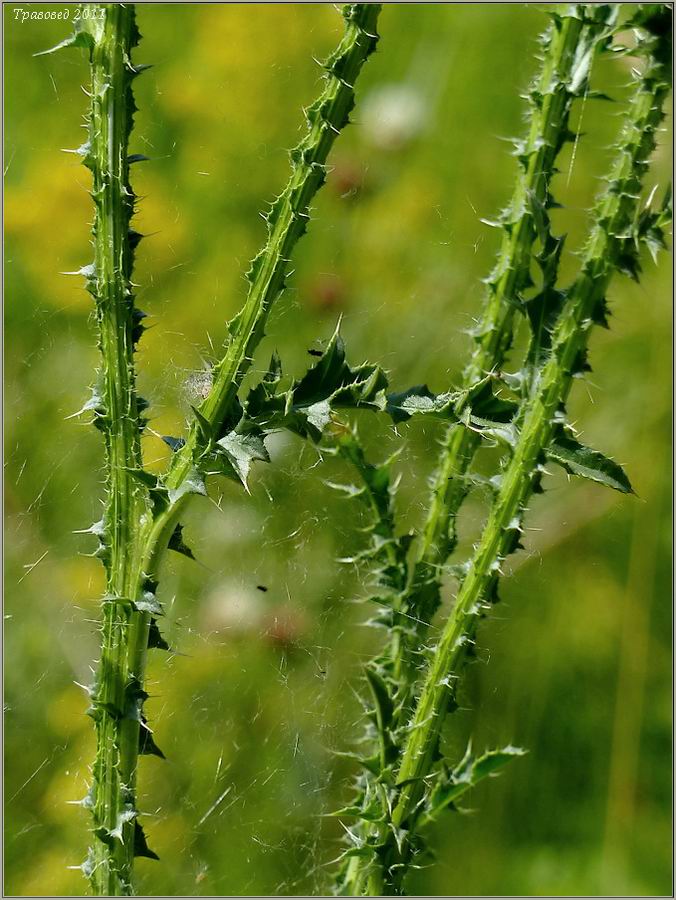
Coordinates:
(392,115)
(234,608)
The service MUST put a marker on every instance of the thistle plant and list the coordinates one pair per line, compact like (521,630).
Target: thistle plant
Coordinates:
(407,783)
(142,511)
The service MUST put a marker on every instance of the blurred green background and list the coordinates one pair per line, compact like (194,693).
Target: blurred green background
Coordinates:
(265,686)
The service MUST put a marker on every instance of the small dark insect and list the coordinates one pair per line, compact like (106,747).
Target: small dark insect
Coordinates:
(262,587)
(315,352)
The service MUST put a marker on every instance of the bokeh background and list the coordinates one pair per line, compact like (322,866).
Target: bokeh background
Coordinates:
(265,687)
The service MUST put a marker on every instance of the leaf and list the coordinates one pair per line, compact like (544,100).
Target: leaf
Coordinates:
(580,460)
(543,309)
(378,493)
(240,451)
(485,403)
(306,407)
(89,864)
(450,786)
(148,479)
(381,697)
(364,852)
(492,761)
(178,545)
(331,378)
(146,742)
(95,404)
(155,639)
(501,432)
(148,602)
(192,484)
(79,38)
(489,414)
(126,815)
(651,225)
(376,478)
(134,698)
(372,764)
(369,808)
(204,428)
(141,847)
(420,400)
(159,496)
(371,813)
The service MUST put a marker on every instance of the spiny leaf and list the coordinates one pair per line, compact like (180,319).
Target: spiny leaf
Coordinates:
(141,847)
(371,811)
(449,787)
(420,400)
(365,852)
(204,427)
(177,543)
(89,863)
(305,408)
(126,816)
(580,460)
(192,484)
(376,478)
(381,697)
(147,745)
(155,639)
(239,451)
(486,403)
(79,38)
(148,479)
(95,404)
(148,602)
(651,226)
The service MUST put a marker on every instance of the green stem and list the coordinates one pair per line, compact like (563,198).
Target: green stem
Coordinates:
(138,523)
(571,44)
(610,245)
(112,34)
(569,49)
(287,222)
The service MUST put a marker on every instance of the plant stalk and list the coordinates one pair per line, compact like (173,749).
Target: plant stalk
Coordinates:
(142,512)
(569,46)
(287,221)
(115,708)
(612,246)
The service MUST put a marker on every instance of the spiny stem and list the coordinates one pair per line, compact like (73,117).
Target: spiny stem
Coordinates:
(142,511)
(111,34)
(287,222)
(569,49)
(611,244)
(416,786)
(570,46)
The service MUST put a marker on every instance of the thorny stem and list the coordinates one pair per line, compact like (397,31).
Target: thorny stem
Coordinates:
(111,34)
(141,512)
(569,49)
(570,46)
(611,247)
(287,222)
